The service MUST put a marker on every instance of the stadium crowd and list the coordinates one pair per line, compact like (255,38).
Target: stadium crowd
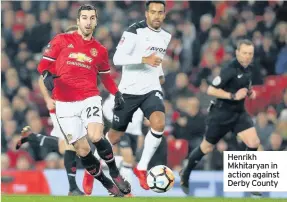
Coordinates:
(204,40)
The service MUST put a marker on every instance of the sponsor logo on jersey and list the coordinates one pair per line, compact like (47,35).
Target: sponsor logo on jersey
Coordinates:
(161,50)
(80,57)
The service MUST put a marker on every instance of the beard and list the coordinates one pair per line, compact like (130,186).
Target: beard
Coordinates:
(86,33)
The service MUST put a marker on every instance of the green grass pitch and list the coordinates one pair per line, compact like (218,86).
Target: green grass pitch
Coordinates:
(135,199)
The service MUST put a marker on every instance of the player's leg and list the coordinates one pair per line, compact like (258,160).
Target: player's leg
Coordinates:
(153,109)
(126,152)
(69,157)
(93,120)
(123,117)
(93,166)
(71,125)
(218,125)
(70,162)
(43,140)
(245,130)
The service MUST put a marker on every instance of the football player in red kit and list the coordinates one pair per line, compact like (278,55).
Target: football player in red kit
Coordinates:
(78,59)
(56,140)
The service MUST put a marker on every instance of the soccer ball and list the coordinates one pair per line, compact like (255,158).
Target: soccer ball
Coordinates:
(160,179)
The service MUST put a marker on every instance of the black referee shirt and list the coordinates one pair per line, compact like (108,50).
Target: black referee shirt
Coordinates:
(232,78)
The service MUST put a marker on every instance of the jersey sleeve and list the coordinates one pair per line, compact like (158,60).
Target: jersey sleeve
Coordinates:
(104,66)
(224,77)
(53,48)
(123,54)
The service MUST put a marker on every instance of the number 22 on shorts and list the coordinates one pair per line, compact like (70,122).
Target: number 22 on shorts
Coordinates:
(92,111)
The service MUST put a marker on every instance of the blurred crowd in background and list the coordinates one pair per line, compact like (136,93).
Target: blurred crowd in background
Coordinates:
(204,39)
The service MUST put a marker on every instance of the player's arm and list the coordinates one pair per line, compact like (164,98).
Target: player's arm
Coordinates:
(215,89)
(49,101)
(50,55)
(107,80)
(125,47)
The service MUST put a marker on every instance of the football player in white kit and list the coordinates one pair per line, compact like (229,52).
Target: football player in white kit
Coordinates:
(140,52)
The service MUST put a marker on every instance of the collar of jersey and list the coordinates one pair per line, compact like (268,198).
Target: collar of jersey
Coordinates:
(78,35)
(244,69)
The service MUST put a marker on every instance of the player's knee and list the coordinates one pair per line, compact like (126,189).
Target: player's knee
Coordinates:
(206,147)
(82,148)
(95,132)
(95,137)
(158,124)
(83,151)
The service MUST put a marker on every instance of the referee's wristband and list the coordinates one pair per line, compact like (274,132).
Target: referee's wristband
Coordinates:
(232,96)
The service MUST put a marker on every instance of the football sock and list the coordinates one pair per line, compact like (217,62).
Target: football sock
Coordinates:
(93,166)
(71,168)
(194,157)
(127,171)
(105,151)
(151,143)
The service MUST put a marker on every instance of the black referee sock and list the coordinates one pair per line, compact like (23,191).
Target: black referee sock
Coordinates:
(93,166)
(194,157)
(70,163)
(251,149)
(105,151)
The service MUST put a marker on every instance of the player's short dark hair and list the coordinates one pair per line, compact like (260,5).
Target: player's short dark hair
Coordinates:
(245,42)
(87,7)
(71,28)
(147,3)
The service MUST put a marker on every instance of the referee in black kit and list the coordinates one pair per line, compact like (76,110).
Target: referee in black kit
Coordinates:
(227,112)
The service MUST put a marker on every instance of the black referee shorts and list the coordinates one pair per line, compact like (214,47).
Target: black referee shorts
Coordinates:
(149,103)
(221,121)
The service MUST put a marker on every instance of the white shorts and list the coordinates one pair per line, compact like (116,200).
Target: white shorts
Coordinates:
(74,117)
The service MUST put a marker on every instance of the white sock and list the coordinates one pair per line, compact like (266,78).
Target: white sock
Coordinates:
(151,144)
(127,172)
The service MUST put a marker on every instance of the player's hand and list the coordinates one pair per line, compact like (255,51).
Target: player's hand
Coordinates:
(48,79)
(251,94)
(119,101)
(152,60)
(241,94)
(50,103)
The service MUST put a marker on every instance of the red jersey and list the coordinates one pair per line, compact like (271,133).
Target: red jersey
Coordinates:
(77,63)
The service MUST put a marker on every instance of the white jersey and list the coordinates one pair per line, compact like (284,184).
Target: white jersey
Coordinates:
(140,41)
(134,127)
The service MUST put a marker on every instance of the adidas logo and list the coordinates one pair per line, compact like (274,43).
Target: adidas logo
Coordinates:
(70,46)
